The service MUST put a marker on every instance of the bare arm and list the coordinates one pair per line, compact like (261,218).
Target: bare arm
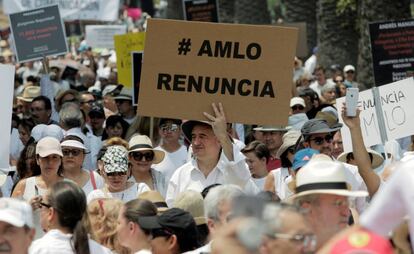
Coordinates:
(219,125)
(269,183)
(362,159)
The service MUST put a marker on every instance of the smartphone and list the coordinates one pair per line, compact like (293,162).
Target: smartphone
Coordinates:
(351,101)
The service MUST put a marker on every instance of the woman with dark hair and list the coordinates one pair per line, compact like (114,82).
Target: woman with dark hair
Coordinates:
(49,158)
(25,127)
(115,126)
(26,164)
(63,212)
(74,152)
(257,155)
(130,234)
(277,179)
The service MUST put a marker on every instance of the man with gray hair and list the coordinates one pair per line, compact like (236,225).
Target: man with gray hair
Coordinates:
(286,231)
(16,226)
(217,208)
(72,122)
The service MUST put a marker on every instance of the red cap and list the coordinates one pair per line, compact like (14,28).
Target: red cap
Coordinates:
(362,241)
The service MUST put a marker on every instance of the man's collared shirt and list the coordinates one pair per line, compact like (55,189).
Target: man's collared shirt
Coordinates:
(190,177)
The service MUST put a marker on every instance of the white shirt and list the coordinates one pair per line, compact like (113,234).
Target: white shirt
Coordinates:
(282,178)
(189,176)
(125,195)
(259,182)
(171,161)
(99,181)
(55,241)
(203,249)
(317,87)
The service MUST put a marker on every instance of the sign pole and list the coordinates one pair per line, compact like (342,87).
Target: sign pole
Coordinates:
(380,115)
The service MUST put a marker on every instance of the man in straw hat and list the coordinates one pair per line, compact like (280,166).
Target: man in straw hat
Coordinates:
(216,158)
(322,189)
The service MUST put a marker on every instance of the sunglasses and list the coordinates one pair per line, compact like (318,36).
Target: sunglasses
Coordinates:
(113,174)
(298,107)
(45,205)
(138,156)
(338,81)
(172,127)
(73,152)
(320,140)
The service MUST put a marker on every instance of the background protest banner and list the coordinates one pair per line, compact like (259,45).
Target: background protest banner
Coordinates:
(124,45)
(396,100)
(105,10)
(6,105)
(102,36)
(38,33)
(136,74)
(247,68)
(302,45)
(392,47)
(201,10)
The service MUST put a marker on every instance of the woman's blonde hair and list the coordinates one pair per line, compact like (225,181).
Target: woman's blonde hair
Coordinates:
(103,216)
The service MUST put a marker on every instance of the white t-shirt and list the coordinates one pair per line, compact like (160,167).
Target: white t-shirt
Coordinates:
(125,196)
(171,161)
(55,241)
(259,182)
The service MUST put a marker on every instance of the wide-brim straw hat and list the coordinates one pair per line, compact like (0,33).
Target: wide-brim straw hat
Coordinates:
(324,176)
(377,158)
(29,93)
(143,143)
(192,202)
(187,127)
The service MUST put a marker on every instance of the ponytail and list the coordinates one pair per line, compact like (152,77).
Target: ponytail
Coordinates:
(80,239)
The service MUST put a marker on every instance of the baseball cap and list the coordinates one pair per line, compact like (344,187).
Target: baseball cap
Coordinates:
(302,157)
(362,241)
(115,159)
(297,101)
(349,68)
(315,126)
(47,146)
(174,220)
(16,212)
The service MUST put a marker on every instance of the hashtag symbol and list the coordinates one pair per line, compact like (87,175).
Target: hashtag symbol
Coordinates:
(184,46)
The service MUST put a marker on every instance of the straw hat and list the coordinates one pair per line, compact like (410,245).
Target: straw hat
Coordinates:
(324,176)
(29,93)
(377,158)
(289,139)
(187,127)
(143,143)
(192,202)
(156,198)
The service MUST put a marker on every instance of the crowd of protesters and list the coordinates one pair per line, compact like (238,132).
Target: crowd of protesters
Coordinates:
(89,175)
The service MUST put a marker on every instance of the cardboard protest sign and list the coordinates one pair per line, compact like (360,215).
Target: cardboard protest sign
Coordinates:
(136,74)
(396,100)
(201,10)
(302,45)
(392,48)
(124,45)
(104,10)
(38,33)
(102,36)
(247,68)
(6,105)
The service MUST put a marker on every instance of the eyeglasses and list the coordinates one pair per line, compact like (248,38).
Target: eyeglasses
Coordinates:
(138,156)
(113,174)
(45,205)
(341,203)
(299,107)
(73,152)
(166,127)
(320,140)
(308,241)
(338,81)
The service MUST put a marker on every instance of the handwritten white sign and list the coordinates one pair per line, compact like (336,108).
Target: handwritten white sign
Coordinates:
(397,101)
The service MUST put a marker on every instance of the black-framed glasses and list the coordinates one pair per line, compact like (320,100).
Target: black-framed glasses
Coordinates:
(113,174)
(169,127)
(298,107)
(73,152)
(45,205)
(338,81)
(320,140)
(307,240)
(90,102)
(149,156)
